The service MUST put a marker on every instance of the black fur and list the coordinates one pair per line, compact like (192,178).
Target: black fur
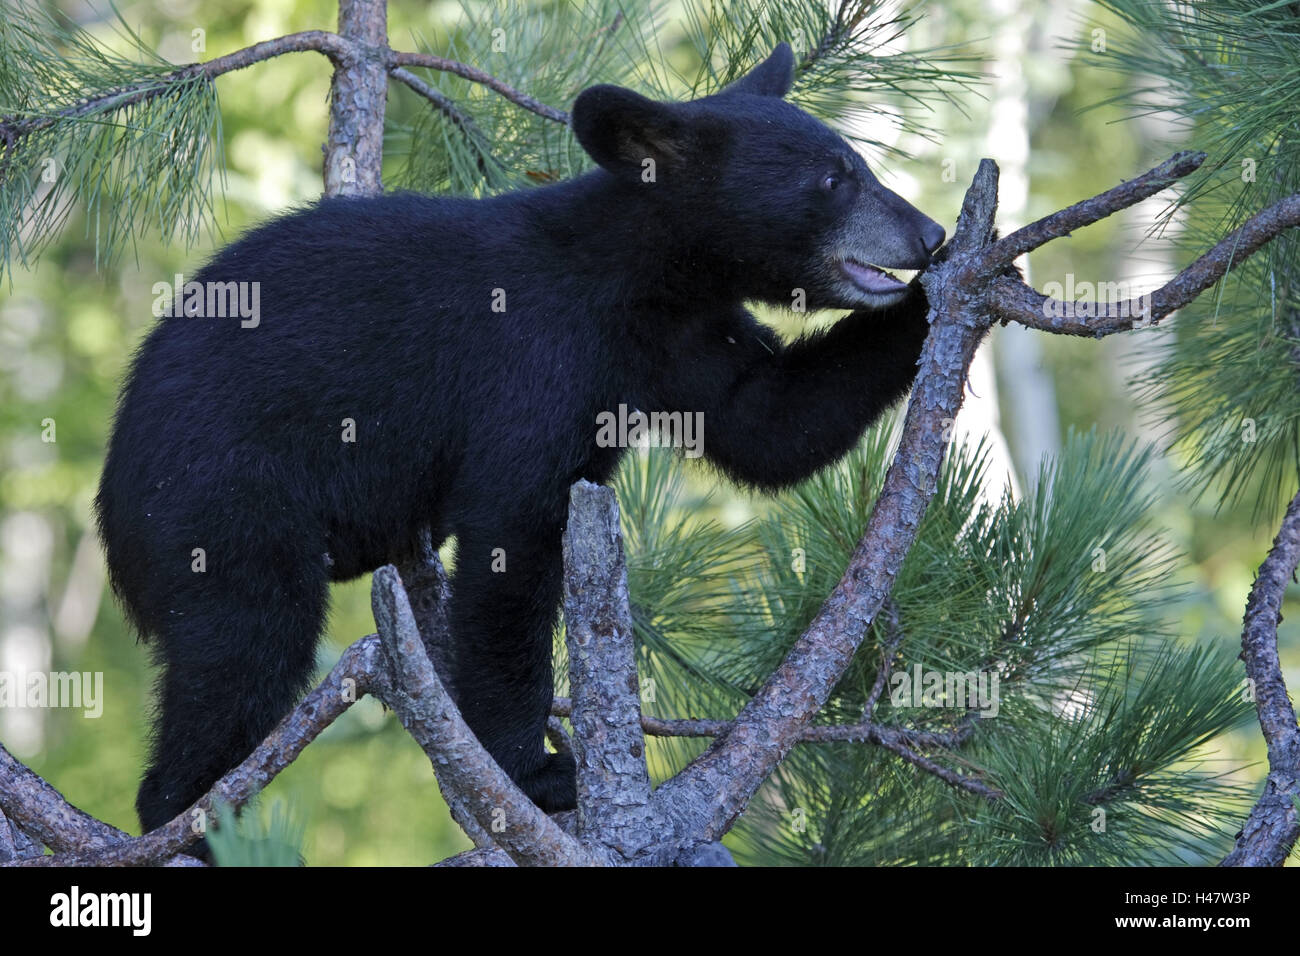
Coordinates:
(474,422)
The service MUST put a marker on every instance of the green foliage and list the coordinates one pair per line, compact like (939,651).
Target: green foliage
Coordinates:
(490,144)
(551,52)
(256,838)
(1230,71)
(1057,595)
(833,42)
(682,584)
(79,133)
(1112,777)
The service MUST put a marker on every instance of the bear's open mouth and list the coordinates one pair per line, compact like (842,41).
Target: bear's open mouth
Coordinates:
(870,278)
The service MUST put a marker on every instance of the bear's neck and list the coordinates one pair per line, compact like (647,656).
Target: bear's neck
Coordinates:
(591,223)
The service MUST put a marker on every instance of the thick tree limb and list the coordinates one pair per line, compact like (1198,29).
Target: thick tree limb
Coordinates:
(481,856)
(354,147)
(613,782)
(428,591)
(33,805)
(1271,830)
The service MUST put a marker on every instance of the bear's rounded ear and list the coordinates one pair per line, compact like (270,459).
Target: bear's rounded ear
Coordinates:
(621,130)
(773,77)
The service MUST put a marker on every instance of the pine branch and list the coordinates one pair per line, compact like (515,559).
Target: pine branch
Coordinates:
(849,15)
(903,741)
(338,49)
(482,77)
(14,128)
(362,61)
(864,731)
(83,841)
(887,655)
(1271,831)
(1013,300)
(463,122)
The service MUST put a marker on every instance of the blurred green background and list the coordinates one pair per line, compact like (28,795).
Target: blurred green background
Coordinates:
(68,327)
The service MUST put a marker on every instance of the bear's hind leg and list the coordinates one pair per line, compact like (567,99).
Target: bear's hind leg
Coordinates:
(234,661)
(504,596)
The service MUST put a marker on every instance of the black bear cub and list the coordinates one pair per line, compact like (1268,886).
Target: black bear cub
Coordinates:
(441,363)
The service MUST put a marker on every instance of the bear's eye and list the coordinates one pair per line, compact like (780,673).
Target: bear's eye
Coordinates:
(831,182)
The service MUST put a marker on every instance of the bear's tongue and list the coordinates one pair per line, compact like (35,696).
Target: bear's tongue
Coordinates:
(869,278)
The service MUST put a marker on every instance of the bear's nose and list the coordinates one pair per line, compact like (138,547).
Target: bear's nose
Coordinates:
(932,236)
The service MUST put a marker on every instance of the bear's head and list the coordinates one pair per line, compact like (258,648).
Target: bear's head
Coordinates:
(761,191)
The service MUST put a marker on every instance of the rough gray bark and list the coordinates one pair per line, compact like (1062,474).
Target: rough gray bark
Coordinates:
(15,845)
(428,591)
(354,149)
(1271,830)
(613,783)
(80,840)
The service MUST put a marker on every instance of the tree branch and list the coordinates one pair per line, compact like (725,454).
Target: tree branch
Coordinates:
(903,741)
(1271,830)
(39,810)
(452,113)
(613,782)
(887,655)
(331,45)
(1015,301)
(84,841)
(1006,250)
(840,30)
(475,75)
(428,591)
(360,54)
(354,146)
(462,765)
